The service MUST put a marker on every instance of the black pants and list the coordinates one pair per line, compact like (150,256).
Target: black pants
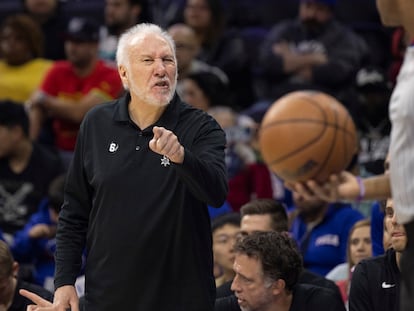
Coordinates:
(407,271)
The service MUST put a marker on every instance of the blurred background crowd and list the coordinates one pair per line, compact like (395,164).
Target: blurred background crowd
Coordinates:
(235,58)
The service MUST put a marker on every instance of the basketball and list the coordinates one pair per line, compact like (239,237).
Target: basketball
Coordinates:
(307,135)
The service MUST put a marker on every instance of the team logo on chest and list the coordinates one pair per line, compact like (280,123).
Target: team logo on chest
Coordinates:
(113,147)
(165,161)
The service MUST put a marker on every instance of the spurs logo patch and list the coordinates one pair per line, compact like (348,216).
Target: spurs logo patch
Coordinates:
(165,161)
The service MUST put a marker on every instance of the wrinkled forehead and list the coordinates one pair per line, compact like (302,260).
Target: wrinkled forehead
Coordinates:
(149,44)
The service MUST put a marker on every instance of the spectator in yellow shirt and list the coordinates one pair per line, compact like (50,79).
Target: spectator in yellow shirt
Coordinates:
(22,67)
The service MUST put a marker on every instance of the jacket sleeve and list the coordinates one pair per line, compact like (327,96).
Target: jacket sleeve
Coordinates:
(204,170)
(73,219)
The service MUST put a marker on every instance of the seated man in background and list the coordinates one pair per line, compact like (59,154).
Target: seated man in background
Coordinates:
(188,47)
(267,267)
(322,231)
(376,281)
(313,51)
(26,169)
(264,215)
(224,228)
(35,245)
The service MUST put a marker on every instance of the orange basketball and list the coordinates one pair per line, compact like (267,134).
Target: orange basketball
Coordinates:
(307,135)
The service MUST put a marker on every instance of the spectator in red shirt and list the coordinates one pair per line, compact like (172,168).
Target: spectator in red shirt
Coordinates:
(73,87)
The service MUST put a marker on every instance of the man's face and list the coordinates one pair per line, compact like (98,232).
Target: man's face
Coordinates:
(9,140)
(360,244)
(254,223)
(249,285)
(193,95)
(14,46)
(314,15)
(394,229)
(389,11)
(151,74)
(186,45)
(223,243)
(307,206)
(41,7)
(119,14)
(197,14)
(81,54)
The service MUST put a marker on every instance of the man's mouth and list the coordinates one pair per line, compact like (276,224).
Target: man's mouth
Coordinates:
(163,84)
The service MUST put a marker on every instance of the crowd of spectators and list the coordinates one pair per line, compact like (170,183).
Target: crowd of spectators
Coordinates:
(235,58)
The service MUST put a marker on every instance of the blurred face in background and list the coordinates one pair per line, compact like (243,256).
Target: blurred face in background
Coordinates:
(120,15)
(193,95)
(197,14)
(41,7)
(186,45)
(360,245)
(9,138)
(395,230)
(314,15)
(81,54)
(254,223)
(14,47)
(223,243)
(308,207)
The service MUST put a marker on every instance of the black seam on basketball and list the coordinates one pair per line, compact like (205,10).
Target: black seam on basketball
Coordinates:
(331,147)
(347,153)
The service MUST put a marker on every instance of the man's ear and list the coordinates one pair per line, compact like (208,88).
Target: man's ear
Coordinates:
(15,269)
(278,286)
(123,74)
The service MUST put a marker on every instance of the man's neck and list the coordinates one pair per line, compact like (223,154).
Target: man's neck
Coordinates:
(283,303)
(398,259)
(143,114)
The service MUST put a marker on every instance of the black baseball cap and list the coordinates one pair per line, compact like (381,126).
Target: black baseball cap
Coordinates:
(82,29)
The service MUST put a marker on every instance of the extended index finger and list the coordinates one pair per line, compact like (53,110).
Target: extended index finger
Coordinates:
(35,298)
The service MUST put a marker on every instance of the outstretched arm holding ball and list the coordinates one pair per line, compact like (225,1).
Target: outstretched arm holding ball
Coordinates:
(345,187)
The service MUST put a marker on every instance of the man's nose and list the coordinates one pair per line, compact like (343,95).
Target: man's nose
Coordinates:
(234,285)
(159,66)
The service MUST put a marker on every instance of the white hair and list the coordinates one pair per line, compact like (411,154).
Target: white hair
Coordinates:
(134,35)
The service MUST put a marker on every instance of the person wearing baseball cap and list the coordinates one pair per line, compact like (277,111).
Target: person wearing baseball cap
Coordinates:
(72,87)
(82,30)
